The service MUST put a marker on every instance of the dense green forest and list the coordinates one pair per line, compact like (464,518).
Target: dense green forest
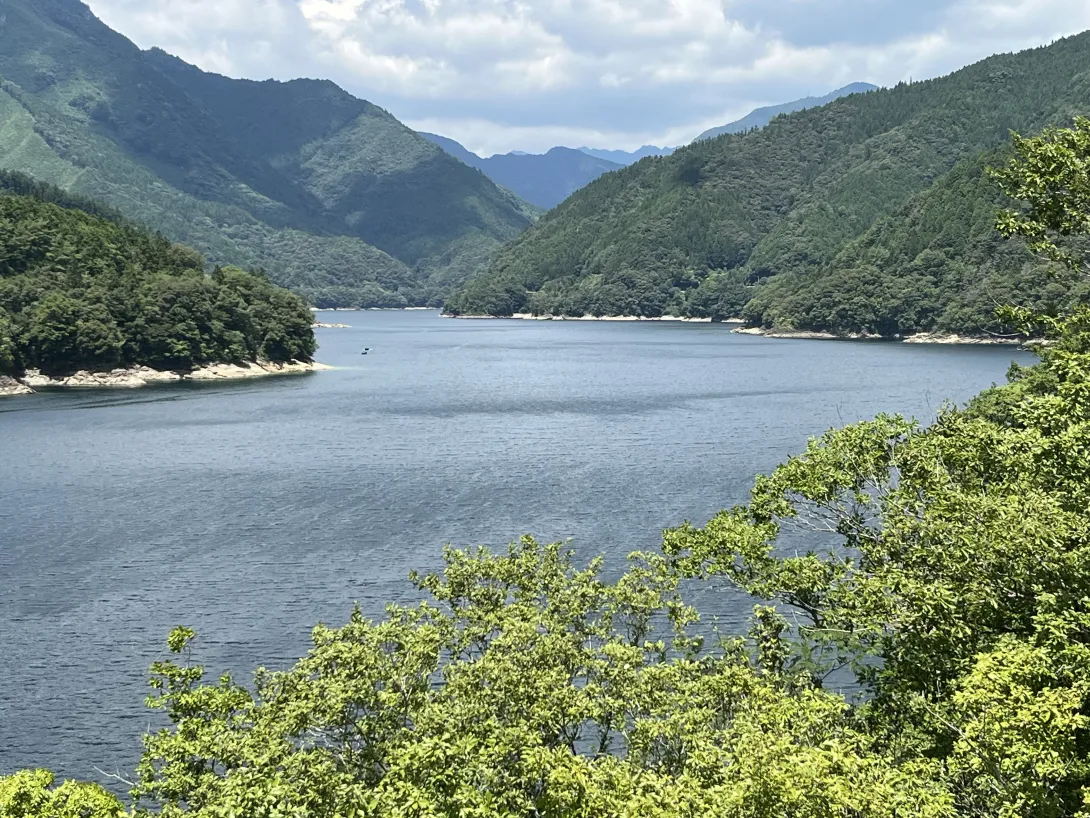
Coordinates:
(332,195)
(83,287)
(869,215)
(925,653)
(937,265)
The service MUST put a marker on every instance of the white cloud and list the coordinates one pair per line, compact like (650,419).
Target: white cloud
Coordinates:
(528,74)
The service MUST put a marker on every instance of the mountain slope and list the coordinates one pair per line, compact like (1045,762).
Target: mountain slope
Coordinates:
(760,117)
(938,264)
(329,193)
(724,222)
(543,180)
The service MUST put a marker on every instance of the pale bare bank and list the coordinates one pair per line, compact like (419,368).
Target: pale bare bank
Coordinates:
(138,376)
(526,316)
(919,338)
(10,386)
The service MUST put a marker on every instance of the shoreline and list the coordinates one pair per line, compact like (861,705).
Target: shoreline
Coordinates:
(140,376)
(9,387)
(375,309)
(939,338)
(526,316)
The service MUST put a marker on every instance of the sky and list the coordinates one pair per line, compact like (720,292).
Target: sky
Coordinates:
(502,75)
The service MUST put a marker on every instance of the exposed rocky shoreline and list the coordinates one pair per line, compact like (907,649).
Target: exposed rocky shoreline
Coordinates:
(137,376)
(813,335)
(919,338)
(526,316)
(953,338)
(374,309)
(9,386)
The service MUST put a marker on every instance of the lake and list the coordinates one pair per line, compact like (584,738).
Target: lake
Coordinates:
(251,511)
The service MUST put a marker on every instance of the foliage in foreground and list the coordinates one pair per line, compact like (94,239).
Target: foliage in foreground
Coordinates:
(30,794)
(82,288)
(524,687)
(953,582)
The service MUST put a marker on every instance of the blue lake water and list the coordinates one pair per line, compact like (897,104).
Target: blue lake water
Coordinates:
(252,511)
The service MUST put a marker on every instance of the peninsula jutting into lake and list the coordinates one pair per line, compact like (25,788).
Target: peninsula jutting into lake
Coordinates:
(91,299)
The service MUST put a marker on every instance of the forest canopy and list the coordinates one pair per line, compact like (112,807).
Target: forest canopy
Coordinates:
(83,288)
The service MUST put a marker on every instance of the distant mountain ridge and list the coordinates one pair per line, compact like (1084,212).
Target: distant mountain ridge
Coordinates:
(455,149)
(627,157)
(330,194)
(543,180)
(760,117)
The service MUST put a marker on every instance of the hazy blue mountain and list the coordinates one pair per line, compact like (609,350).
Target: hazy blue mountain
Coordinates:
(455,149)
(755,119)
(627,157)
(762,116)
(544,180)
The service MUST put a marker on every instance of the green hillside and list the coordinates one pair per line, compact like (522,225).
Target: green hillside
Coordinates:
(938,264)
(331,195)
(82,287)
(786,223)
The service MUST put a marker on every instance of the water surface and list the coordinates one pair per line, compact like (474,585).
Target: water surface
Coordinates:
(251,511)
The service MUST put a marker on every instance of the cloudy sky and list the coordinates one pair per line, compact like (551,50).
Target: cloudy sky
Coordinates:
(502,75)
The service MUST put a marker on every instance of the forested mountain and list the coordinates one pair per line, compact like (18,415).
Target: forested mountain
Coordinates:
(546,180)
(617,158)
(82,287)
(869,214)
(762,116)
(937,264)
(332,195)
(627,157)
(543,180)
